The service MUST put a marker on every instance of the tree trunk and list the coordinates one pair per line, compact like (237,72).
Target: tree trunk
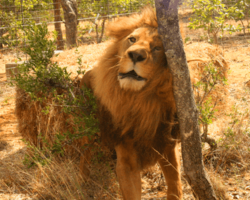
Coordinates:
(99,39)
(167,14)
(57,19)
(215,38)
(70,16)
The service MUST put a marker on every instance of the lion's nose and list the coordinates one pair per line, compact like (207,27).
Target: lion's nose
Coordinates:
(137,56)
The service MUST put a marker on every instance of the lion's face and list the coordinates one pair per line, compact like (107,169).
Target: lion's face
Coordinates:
(141,57)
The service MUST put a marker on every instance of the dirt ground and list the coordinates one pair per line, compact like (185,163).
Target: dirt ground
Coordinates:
(12,149)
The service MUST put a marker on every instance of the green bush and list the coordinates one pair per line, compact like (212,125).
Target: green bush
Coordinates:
(41,78)
(211,15)
(15,14)
(211,77)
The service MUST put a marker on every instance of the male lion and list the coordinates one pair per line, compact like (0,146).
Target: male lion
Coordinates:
(133,87)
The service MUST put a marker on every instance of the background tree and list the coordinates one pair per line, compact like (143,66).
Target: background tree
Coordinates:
(70,17)
(16,13)
(101,10)
(167,14)
(57,19)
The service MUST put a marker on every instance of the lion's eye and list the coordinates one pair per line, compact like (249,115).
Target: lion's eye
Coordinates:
(132,39)
(157,49)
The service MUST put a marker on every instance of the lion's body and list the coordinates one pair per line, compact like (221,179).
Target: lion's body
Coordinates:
(133,87)
(136,115)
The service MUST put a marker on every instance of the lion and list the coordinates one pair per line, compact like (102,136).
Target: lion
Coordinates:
(136,108)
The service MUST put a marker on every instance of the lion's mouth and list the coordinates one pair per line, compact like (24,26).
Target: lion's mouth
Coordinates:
(131,74)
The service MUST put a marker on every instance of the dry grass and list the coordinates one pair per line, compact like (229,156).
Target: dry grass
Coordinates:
(199,55)
(233,151)
(60,179)
(88,53)
(219,188)
(231,160)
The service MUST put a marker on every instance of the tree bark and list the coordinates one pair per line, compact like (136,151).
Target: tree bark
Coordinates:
(167,14)
(57,20)
(70,16)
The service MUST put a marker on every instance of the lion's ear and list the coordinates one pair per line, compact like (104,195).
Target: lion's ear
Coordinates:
(126,25)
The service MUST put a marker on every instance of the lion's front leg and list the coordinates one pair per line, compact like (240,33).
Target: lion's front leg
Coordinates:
(128,171)
(171,168)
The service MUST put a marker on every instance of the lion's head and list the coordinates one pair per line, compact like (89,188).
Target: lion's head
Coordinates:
(141,57)
(132,80)
(141,54)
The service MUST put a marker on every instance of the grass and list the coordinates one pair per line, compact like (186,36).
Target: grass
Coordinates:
(233,147)
(60,179)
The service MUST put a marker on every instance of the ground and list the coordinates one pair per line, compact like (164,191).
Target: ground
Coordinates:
(235,179)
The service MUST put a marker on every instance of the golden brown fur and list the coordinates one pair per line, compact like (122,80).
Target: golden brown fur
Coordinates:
(137,113)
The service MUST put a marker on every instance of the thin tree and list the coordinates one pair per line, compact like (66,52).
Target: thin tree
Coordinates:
(70,17)
(57,20)
(167,14)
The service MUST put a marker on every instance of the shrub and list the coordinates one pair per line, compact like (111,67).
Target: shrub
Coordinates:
(44,87)
(211,15)
(210,79)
